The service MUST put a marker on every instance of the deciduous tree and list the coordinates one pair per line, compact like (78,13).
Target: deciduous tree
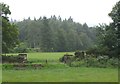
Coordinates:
(9,30)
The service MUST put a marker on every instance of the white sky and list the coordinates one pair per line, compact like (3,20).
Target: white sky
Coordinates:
(92,12)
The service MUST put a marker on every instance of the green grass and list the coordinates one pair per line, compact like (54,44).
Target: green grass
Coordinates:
(61,75)
(54,56)
(55,71)
(0,73)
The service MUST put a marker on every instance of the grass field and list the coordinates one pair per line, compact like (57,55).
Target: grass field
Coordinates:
(55,71)
(0,73)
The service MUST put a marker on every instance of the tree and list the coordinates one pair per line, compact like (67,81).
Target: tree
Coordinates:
(46,39)
(55,34)
(9,30)
(109,35)
(107,40)
(61,41)
(115,15)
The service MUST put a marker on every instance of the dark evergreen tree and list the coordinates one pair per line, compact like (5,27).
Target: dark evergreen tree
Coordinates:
(55,34)
(46,39)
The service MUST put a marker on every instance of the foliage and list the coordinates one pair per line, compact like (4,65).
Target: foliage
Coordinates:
(115,15)
(7,66)
(89,60)
(55,34)
(21,48)
(46,39)
(108,35)
(19,66)
(96,62)
(9,31)
(107,41)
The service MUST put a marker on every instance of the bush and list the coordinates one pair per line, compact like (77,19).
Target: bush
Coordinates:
(21,48)
(113,62)
(98,51)
(7,66)
(95,62)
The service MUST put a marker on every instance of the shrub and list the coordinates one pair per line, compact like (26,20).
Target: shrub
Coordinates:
(95,62)
(7,66)
(113,62)
(21,48)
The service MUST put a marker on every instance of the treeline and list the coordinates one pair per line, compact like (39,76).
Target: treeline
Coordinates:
(56,35)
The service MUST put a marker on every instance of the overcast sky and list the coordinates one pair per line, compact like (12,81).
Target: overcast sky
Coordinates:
(92,12)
